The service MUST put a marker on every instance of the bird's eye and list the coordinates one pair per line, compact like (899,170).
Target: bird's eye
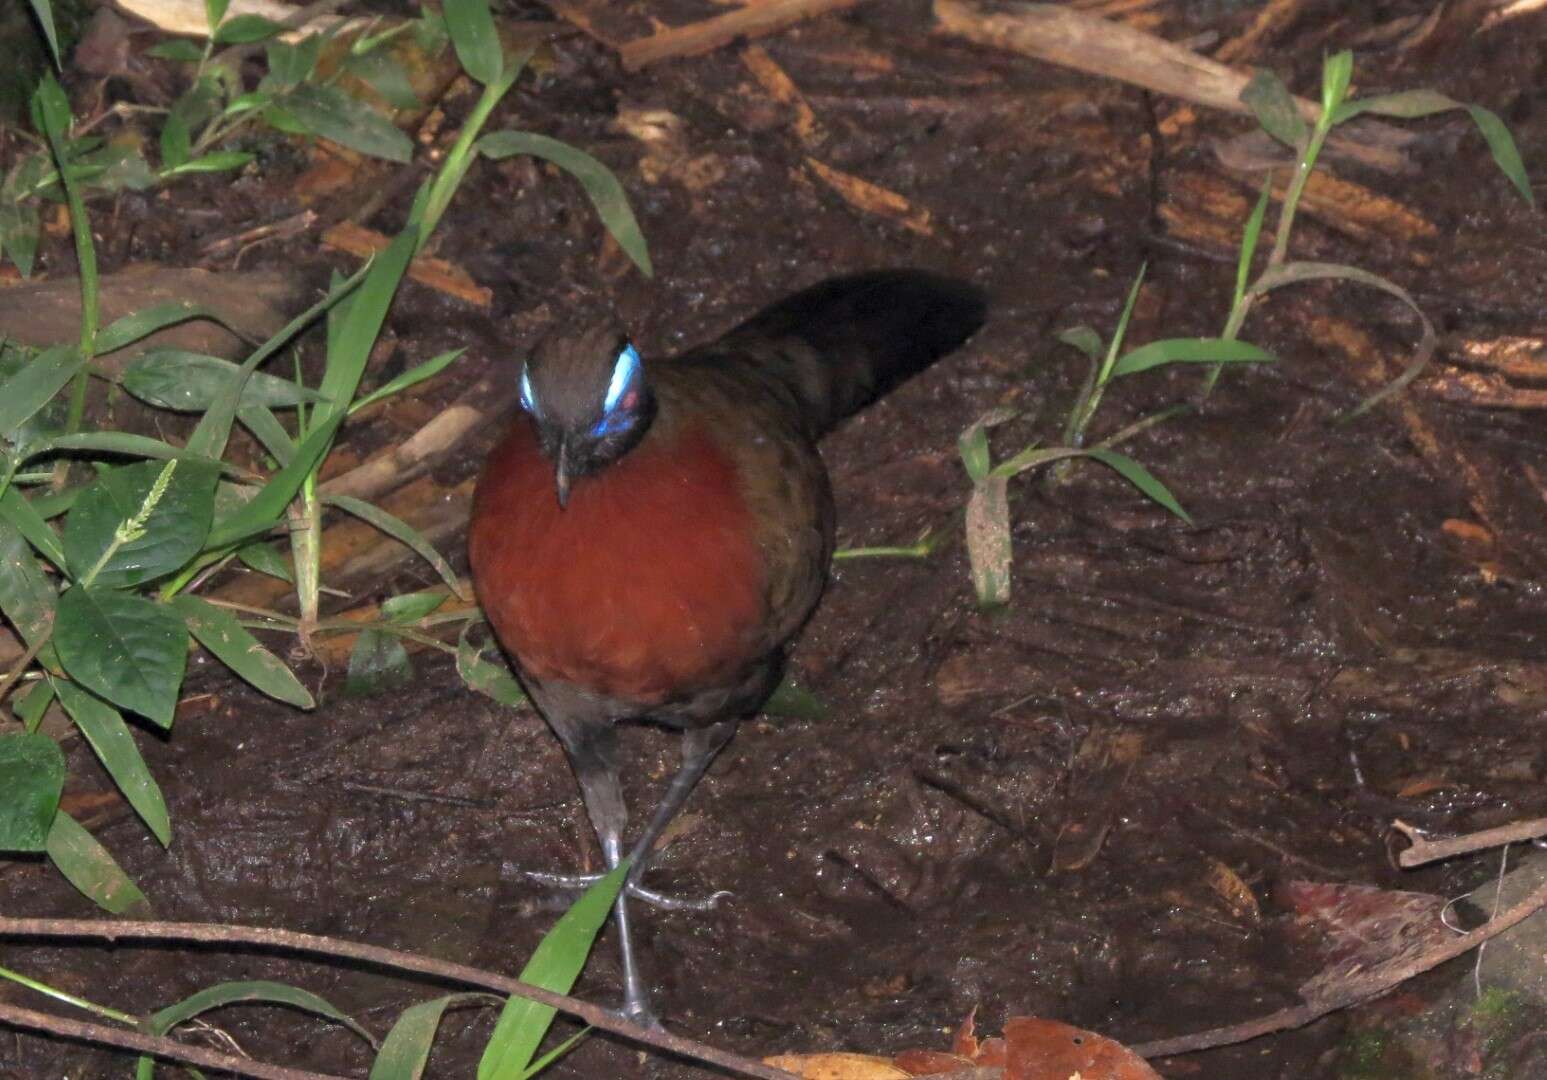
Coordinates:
(528,398)
(624,370)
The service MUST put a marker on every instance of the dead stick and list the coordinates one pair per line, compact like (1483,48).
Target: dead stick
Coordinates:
(292,941)
(171,1049)
(752,21)
(1356,989)
(1428,851)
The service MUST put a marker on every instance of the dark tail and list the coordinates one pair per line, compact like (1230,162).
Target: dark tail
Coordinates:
(841,344)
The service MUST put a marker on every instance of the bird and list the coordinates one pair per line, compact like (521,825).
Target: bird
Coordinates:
(650,534)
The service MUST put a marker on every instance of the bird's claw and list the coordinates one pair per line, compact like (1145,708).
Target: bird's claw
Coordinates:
(639,892)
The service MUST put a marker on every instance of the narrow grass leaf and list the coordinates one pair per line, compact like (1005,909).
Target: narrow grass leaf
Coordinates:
(409,378)
(400,531)
(329,112)
(18,510)
(124,648)
(1250,237)
(192,382)
(361,323)
(91,868)
(972,444)
(264,559)
(554,966)
(1505,153)
(27,599)
(219,161)
(109,737)
(171,534)
(600,184)
(233,645)
(406,1048)
(33,702)
(265,509)
(180,49)
(1274,107)
(141,324)
(214,13)
(1189,351)
(407,608)
(377,663)
(32,778)
(119,442)
(31,388)
(1141,478)
(488,677)
(269,431)
(1085,339)
(44,11)
(988,540)
(473,35)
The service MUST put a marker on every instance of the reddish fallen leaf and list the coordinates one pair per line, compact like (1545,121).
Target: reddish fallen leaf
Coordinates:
(1360,926)
(1050,1050)
(931,1062)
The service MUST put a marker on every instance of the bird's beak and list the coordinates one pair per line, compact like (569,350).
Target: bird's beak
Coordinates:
(561,474)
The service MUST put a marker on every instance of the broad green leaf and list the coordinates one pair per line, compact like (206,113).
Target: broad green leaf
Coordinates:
(407,1046)
(400,531)
(1085,339)
(1337,71)
(488,677)
(409,378)
(18,510)
(31,388)
(329,112)
(27,600)
(411,607)
(122,647)
(289,63)
(89,866)
(176,140)
(44,10)
(109,736)
(378,662)
(1191,351)
(20,229)
(219,161)
(1274,106)
(554,966)
(222,634)
(264,559)
(246,29)
(173,533)
(31,780)
(141,324)
(385,74)
(215,13)
(51,108)
(176,49)
(475,38)
(33,702)
(1141,478)
(191,382)
(598,181)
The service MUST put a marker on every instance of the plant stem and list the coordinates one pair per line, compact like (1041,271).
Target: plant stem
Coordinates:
(69,999)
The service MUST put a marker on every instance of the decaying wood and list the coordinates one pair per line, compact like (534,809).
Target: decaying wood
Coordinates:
(1074,39)
(873,198)
(1481,390)
(1274,17)
(1424,850)
(436,273)
(1514,357)
(782,89)
(753,21)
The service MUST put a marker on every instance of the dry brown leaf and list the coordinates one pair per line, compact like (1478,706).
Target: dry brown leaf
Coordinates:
(837,1066)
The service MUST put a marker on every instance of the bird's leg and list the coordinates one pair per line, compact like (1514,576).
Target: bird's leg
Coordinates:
(593,754)
(699,747)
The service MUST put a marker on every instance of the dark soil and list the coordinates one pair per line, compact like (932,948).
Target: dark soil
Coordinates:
(1313,657)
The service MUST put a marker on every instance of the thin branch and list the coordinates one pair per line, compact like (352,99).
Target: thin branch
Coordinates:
(1424,850)
(291,941)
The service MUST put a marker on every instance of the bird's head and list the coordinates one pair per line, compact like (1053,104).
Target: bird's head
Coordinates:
(589,398)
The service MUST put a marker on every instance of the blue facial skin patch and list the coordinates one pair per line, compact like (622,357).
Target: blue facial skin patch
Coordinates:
(624,371)
(528,399)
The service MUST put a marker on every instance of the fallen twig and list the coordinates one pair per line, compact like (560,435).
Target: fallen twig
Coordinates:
(438,274)
(752,21)
(292,941)
(1427,851)
(1358,987)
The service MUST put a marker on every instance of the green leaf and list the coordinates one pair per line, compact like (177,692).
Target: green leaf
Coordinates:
(192,382)
(1085,339)
(409,608)
(554,966)
(409,378)
(378,662)
(142,324)
(270,432)
(400,531)
(406,1048)
(89,866)
(290,64)
(598,181)
(33,702)
(973,442)
(487,677)
(51,108)
(176,49)
(791,699)
(1505,153)
(20,228)
(477,42)
(219,161)
(1189,351)
(265,509)
(176,140)
(19,511)
(120,442)
(219,631)
(246,29)
(44,10)
(329,112)
(1337,71)
(173,533)
(31,388)
(31,779)
(109,736)
(1274,106)
(386,75)
(1249,239)
(264,559)
(26,597)
(1141,478)
(124,648)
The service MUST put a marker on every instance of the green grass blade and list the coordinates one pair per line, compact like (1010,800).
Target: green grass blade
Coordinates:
(185,381)
(26,597)
(1141,478)
(223,635)
(1189,351)
(554,966)
(265,509)
(1505,153)
(361,323)
(603,188)
(34,386)
(91,868)
(329,112)
(411,377)
(473,35)
(1249,240)
(44,10)
(19,511)
(32,779)
(109,737)
(53,108)
(406,1048)
(141,324)
(402,532)
(269,431)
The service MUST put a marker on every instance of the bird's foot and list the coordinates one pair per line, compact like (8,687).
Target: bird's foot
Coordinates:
(648,896)
(639,1012)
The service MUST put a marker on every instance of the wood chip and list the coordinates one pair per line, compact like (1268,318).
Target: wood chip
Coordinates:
(753,21)
(873,198)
